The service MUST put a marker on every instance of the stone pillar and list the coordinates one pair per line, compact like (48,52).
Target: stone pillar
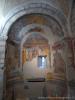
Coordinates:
(2,58)
(70,66)
(73,42)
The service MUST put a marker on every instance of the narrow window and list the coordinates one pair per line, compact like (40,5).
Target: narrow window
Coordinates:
(42,61)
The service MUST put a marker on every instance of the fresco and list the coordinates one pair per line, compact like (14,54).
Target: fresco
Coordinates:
(56,82)
(29,53)
(58,61)
(59,74)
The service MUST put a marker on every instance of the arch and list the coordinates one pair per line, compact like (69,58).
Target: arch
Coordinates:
(29,8)
(25,30)
(31,21)
(31,33)
(25,39)
(41,8)
(32,26)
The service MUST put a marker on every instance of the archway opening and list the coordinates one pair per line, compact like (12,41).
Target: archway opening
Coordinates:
(34,58)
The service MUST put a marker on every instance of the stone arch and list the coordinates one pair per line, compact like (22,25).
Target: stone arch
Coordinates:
(31,11)
(27,24)
(28,8)
(30,27)
(31,33)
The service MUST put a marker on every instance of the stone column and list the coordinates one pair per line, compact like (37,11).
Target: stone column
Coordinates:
(2,58)
(70,66)
(73,42)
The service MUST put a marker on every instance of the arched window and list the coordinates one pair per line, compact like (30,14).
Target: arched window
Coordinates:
(42,61)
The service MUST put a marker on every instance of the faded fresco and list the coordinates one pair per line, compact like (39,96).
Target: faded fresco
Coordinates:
(51,83)
(37,49)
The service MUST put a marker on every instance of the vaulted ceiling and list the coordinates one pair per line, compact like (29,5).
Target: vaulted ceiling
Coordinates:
(20,15)
(36,23)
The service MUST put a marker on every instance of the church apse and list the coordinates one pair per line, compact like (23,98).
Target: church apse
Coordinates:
(37,59)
